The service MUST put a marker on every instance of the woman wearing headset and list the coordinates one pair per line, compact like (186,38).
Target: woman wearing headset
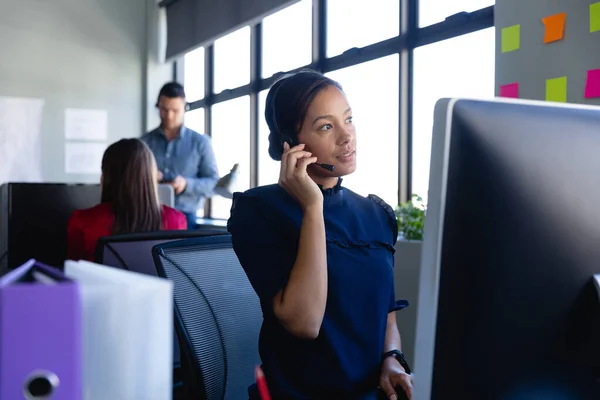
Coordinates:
(319,256)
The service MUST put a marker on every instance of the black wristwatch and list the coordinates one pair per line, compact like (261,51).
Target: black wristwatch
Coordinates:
(398,355)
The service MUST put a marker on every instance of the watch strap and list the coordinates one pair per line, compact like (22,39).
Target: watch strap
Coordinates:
(398,355)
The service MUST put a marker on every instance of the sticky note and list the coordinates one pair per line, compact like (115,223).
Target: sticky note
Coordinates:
(556,89)
(511,38)
(510,90)
(592,84)
(555,27)
(595,17)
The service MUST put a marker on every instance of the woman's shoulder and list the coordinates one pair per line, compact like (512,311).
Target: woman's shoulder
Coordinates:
(172,218)
(263,206)
(102,210)
(272,197)
(375,209)
(266,192)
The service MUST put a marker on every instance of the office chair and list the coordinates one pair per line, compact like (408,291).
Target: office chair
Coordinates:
(133,252)
(217,313)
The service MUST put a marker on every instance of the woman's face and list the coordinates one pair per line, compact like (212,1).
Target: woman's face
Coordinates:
(328,132)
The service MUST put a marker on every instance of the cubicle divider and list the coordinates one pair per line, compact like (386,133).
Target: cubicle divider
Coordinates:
(34,216)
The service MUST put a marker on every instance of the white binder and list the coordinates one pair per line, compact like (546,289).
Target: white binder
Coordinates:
(127,333)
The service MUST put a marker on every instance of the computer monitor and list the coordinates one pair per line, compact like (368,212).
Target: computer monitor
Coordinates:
(166,195)
(507,307)
(34,220)
(34,216)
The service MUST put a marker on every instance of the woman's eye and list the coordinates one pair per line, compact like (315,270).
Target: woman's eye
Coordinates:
(325,127)
(349,120)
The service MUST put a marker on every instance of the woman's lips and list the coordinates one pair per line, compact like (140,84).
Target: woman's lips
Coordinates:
(346,157)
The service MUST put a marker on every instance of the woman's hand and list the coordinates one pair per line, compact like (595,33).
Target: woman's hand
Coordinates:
(294,178)
(393,376)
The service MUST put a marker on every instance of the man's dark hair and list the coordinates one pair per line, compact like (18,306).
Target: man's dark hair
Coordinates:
(171,90)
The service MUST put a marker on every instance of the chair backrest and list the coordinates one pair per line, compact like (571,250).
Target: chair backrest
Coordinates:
(218,313)
(133,251)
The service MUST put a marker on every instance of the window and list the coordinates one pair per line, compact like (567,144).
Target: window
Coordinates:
(358,23)
(372,91)
(195,120)
(458,67)
(231,144)
(193,74)
(268,169)
(287,39)
(434,11)
(232,60)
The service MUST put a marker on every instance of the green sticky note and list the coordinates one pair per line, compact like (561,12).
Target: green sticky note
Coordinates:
(556,89)
(595,17)
(511,38)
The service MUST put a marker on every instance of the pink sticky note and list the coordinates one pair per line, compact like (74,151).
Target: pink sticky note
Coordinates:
(592,85)
(511,90)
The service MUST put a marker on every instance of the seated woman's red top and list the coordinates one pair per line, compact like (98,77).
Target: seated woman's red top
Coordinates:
(85,227)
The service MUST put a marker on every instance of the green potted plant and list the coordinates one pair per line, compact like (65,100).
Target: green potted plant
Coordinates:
(411,218)
(407,268)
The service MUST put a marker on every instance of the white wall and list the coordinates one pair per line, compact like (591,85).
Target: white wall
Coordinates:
(76,53)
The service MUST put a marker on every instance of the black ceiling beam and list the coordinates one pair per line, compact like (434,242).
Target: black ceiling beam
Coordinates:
(455,25)
(167,3)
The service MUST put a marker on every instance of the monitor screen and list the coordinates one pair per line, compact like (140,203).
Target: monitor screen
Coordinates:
(35,217)
(507,308)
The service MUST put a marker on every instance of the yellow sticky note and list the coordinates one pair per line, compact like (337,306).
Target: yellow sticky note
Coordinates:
(511,38)
(556,89)
(594,17)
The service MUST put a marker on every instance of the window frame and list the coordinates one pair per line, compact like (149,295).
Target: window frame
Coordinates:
(411,36)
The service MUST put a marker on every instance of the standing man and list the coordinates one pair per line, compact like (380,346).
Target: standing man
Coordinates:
(185,158)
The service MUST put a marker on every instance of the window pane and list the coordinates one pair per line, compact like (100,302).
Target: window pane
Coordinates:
(232,60)
(468,72)
(193,74)
(268,169)
(434,11)
(374,103)
(231,144)
(195,120)
(358,23)
(287,39)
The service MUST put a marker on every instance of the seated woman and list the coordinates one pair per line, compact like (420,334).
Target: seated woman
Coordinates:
(129,202)
(319,256)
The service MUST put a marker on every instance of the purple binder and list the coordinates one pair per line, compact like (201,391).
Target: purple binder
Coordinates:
(40,334)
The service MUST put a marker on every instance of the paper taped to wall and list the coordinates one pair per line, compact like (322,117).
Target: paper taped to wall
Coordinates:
(84,158)
(83,124)
(20,139)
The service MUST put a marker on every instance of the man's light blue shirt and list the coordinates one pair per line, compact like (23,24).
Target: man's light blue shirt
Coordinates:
(191,156)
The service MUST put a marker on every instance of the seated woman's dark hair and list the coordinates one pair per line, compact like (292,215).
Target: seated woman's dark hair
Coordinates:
(129,184)
(286,106)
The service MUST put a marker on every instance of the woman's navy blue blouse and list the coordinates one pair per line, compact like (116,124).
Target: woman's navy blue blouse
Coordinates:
(344,360)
